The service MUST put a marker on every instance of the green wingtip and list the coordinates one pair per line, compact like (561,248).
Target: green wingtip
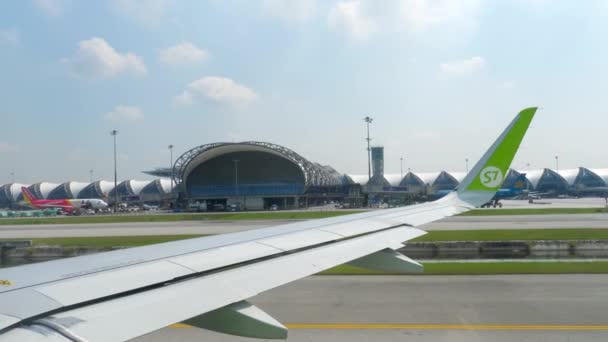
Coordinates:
(494,170)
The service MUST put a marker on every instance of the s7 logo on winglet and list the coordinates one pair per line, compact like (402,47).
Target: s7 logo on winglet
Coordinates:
(491,177)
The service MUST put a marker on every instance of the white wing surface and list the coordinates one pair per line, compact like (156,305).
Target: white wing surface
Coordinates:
(120,295)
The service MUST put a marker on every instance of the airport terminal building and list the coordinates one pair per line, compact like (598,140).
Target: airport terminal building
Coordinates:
(259,175)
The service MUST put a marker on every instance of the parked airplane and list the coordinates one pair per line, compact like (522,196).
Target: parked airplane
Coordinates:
(205,282)
(519,188)
(67,205)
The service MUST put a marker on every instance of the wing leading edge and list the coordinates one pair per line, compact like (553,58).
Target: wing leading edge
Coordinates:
(120,295)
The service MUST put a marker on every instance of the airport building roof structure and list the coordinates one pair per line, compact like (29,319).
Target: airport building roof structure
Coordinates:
(42,189)
(98,189)
(266,170)
(65,190)
(538,180)
(249,168)
(157,187)
(578,180)
(9,193)
(129,188)
(314,174)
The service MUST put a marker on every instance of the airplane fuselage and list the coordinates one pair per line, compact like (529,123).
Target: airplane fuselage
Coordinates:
(70,204)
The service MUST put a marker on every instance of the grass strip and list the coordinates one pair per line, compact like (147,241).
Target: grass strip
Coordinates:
(109,241)
(432,236)
(285,215)
(515,234)
(533,211)
(485,268)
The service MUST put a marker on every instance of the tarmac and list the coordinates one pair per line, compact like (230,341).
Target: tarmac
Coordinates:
(430,308)
(222,227)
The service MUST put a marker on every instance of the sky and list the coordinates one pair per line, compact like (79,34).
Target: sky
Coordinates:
(441,79)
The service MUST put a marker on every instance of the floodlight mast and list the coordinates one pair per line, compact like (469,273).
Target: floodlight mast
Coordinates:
(368,120)
(171,166)
(114,133)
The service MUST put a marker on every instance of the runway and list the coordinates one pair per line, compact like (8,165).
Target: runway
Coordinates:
(431,308)
(221,227)
(585,202)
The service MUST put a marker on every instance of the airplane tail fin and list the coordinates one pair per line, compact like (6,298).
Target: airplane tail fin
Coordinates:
(521,182)
(27,195)
(486,177)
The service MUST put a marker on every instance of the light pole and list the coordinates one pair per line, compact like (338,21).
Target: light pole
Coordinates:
(402,168)
(114,133)
(236,176)
(12,176)
(556,163)
(91,175)
(171,166)
(466,162)
(368,120)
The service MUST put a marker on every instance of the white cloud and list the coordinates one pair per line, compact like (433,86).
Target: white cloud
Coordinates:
(291,11)
(9,35)
(145,12)
(349,16)
(466,66)
(125,113)
(183,53)
(362,18)
(97,59)
(217,89)
(53,8)
(6,147)
(421,15)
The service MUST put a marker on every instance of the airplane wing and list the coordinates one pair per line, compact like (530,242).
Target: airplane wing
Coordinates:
(204,282)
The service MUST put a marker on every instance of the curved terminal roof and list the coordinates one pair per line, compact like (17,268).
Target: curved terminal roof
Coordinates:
(411,179)
(533,176)
(43,189)
(130,188)
(359,179)
(10,192)
(160,186)
(69,190)
(393,179)
(539,180)
(589,179)
(98,189)
(459,176)
(314,174)
(602,173)
(428,178)
(569,175)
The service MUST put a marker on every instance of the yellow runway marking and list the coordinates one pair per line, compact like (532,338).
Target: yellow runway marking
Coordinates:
(436,327)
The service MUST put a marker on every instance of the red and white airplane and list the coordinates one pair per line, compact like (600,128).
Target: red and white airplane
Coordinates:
(67,205)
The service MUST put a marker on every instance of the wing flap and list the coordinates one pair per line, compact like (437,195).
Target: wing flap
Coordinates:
(241,319)
(300,239)
(180,301)
(388,261)
(223,256)
(89,287)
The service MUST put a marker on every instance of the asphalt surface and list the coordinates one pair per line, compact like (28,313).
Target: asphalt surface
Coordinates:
(220,227)
(431,308)
(590,202)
